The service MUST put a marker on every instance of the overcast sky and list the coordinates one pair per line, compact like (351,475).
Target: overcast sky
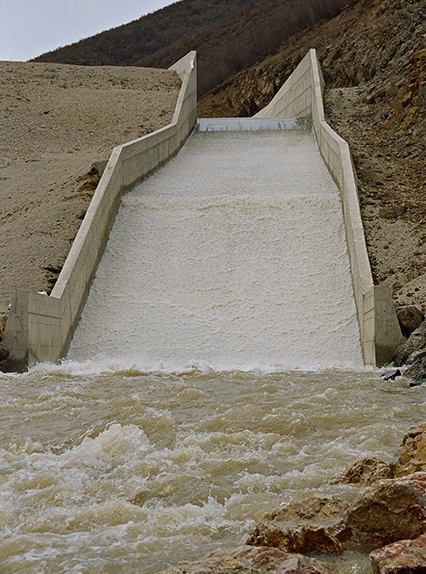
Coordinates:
(29,28)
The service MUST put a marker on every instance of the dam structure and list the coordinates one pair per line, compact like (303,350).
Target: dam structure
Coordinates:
(216,312)
(231,256)
(244,249)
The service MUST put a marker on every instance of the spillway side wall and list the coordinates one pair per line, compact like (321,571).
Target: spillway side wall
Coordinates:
(39,327)
(301,96)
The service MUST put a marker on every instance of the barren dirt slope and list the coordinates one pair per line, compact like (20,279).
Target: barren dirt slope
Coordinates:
(56,120)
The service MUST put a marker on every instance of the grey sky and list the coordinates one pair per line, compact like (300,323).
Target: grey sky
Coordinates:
(29,28)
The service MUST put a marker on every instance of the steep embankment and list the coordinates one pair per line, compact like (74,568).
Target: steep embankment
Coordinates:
(373,56)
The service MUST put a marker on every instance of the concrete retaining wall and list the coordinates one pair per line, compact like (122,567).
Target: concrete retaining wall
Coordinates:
(39,327)
(301,97)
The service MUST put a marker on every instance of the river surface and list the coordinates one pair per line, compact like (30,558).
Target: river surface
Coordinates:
(113,470)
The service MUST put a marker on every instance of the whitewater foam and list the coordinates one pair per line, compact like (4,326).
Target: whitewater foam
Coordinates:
(233,256)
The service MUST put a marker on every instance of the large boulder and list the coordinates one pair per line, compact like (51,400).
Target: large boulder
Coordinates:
(413,456)
(410,317)
(393,510)
(402,557)
(300,540)
(302,527)
(314,510)
(416,342)
(366,471)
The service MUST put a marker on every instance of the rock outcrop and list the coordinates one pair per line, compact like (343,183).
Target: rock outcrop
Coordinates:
(393,510)
(413,354)
(407,352)
(249,560)
(302,539)
(366,471)
(402,557)
(410,318)
(413,456)
(314,510)
(386,524)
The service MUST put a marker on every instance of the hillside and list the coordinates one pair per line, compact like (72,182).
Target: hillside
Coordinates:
(373,56)
(56,122)
(228,36)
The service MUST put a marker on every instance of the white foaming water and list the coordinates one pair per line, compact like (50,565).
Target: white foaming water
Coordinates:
(233,255)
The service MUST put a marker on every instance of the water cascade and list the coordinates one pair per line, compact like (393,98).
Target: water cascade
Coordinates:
(232,255)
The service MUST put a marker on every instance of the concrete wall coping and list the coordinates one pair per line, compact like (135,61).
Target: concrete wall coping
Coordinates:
(246,124)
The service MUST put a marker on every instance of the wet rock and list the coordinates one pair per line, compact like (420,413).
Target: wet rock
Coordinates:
(410,317)
(322,510)
(402,557)
(366,471)
(4,352)
(300,540)
(249,560)
(417,369)
(391,375)
(416,341)
(413,456)
(418,383)
(393,510)
(7,366)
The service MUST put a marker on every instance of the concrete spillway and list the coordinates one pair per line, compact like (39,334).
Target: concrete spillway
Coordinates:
(232,255)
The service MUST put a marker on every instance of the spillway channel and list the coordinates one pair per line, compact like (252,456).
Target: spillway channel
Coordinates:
(233,255)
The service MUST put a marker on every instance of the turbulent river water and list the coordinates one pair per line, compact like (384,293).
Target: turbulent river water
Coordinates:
(216,372)
(119,471)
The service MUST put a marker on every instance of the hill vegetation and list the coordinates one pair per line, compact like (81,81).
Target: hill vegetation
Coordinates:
(228,36)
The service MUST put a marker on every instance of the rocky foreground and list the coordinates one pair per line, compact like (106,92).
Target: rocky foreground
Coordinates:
(383,531)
